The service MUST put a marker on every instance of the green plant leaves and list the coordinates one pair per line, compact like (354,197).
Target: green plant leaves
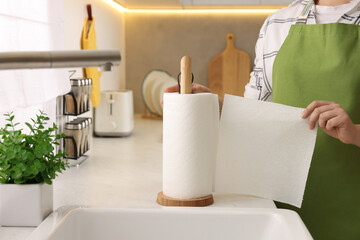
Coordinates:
(30,127)
(30,158)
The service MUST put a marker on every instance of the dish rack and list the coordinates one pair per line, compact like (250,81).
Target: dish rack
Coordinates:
(70,110)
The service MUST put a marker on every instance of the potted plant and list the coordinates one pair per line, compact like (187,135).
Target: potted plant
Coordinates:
(28,164)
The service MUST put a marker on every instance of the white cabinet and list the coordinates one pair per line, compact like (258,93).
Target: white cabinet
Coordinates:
(235,2)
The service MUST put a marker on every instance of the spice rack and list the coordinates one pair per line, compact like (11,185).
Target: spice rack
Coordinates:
(71,108)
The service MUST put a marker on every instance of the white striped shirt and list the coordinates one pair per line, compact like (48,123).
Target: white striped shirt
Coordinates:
(271,37)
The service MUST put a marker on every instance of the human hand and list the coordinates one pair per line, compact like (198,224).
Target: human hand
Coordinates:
(196,88)
(334,120)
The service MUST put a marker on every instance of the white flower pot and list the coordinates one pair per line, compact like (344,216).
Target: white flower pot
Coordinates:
(25,204)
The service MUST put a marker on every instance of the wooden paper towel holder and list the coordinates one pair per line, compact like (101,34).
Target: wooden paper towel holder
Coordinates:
(185,82)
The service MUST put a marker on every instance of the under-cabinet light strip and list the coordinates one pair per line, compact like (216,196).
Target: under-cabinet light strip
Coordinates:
(119,7)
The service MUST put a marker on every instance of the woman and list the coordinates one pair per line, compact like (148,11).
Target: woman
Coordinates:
(308,55)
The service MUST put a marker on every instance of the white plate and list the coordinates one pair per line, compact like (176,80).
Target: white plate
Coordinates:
(158,92)
(155,95)
(148,85)
(170,82)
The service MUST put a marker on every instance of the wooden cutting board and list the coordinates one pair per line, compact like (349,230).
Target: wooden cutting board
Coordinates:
(229,72)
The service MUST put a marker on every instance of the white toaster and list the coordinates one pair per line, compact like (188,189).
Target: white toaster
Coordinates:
(114,116)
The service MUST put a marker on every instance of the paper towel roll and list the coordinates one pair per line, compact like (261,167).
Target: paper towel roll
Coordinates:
(190,130)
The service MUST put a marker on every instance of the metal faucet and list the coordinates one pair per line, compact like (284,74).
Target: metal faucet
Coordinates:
(104,59)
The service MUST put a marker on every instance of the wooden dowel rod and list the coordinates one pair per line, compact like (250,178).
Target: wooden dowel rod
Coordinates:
(185,77)
(89,11)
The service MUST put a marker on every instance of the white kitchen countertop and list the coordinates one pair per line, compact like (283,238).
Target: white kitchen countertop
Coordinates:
(121,173)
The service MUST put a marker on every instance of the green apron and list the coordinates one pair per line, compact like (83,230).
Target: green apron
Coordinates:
(322,62)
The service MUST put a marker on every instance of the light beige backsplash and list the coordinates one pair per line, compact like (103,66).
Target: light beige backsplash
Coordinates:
(158,41)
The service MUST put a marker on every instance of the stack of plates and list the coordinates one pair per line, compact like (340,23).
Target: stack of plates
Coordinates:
(153,87)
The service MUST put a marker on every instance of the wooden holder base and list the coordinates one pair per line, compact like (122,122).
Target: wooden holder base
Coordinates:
(194,202)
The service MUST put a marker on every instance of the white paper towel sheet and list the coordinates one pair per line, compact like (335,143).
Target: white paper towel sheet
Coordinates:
(264,149)
(190,134)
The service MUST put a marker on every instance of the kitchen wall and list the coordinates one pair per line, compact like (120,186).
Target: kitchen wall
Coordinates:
(159,40)
(109,27)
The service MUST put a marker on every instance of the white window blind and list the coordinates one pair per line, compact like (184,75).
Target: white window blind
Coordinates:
(31,25)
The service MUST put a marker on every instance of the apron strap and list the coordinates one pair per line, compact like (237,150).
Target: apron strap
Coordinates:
(302,19)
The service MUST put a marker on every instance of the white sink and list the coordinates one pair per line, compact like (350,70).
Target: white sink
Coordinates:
(175,223)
